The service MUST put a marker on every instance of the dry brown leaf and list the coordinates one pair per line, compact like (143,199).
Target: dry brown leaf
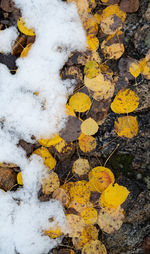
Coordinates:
(129,5)
(72,129)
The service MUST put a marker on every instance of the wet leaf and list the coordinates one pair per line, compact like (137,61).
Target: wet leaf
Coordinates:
(114,196)
(89,126)
(80,102)
(48,159)
(126,126)
(110,219)
(50,183)
(126,101)
(81,167)
(72,129)
(94,246)
(87,143)
(100,178)
(23,29)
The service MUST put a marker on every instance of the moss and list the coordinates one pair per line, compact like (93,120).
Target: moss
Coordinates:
(122,164)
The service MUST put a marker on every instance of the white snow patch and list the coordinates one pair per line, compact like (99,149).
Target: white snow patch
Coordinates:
(23,114)
(7,38)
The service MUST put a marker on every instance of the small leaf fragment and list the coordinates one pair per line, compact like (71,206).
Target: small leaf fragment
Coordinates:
(19,178)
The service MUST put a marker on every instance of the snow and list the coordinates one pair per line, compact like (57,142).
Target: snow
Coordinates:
(7,38)
(23,114)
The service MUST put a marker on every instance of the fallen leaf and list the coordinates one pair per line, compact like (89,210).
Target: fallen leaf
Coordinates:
(92,42)
(80,192)
(114,196)
(110,219)
(61,195)
(26,50)
(89,215)
(8,178)
(91,69)
(72,129)
(80,102)
(19,178)
(126,126)
(126,101)
(129,5)
(94,246)
(100,178)
(89,126)
(75,224)
(53,232)
(49,160)
(23,29)
(90,25)
(87,143)
(81,167)
(50,183)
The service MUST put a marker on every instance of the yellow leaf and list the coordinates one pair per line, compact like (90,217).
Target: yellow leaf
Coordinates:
(111,10)
(50,183)
(100,178)
(80,102)
(135,69)
(93,42)
(94,246)
(76,225)
(26,50)
(89,126)
(110,219)
(69,111)
(23,29)
(114,196)
(87,143)
(89,215)
(19,178)
(80,192)
(88,233)
(125,101)
(47,142)
(48,159)
(146,70)
(81,167)
(91,26)
(112,47)
(53,232)
(91,69)
(126,126)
